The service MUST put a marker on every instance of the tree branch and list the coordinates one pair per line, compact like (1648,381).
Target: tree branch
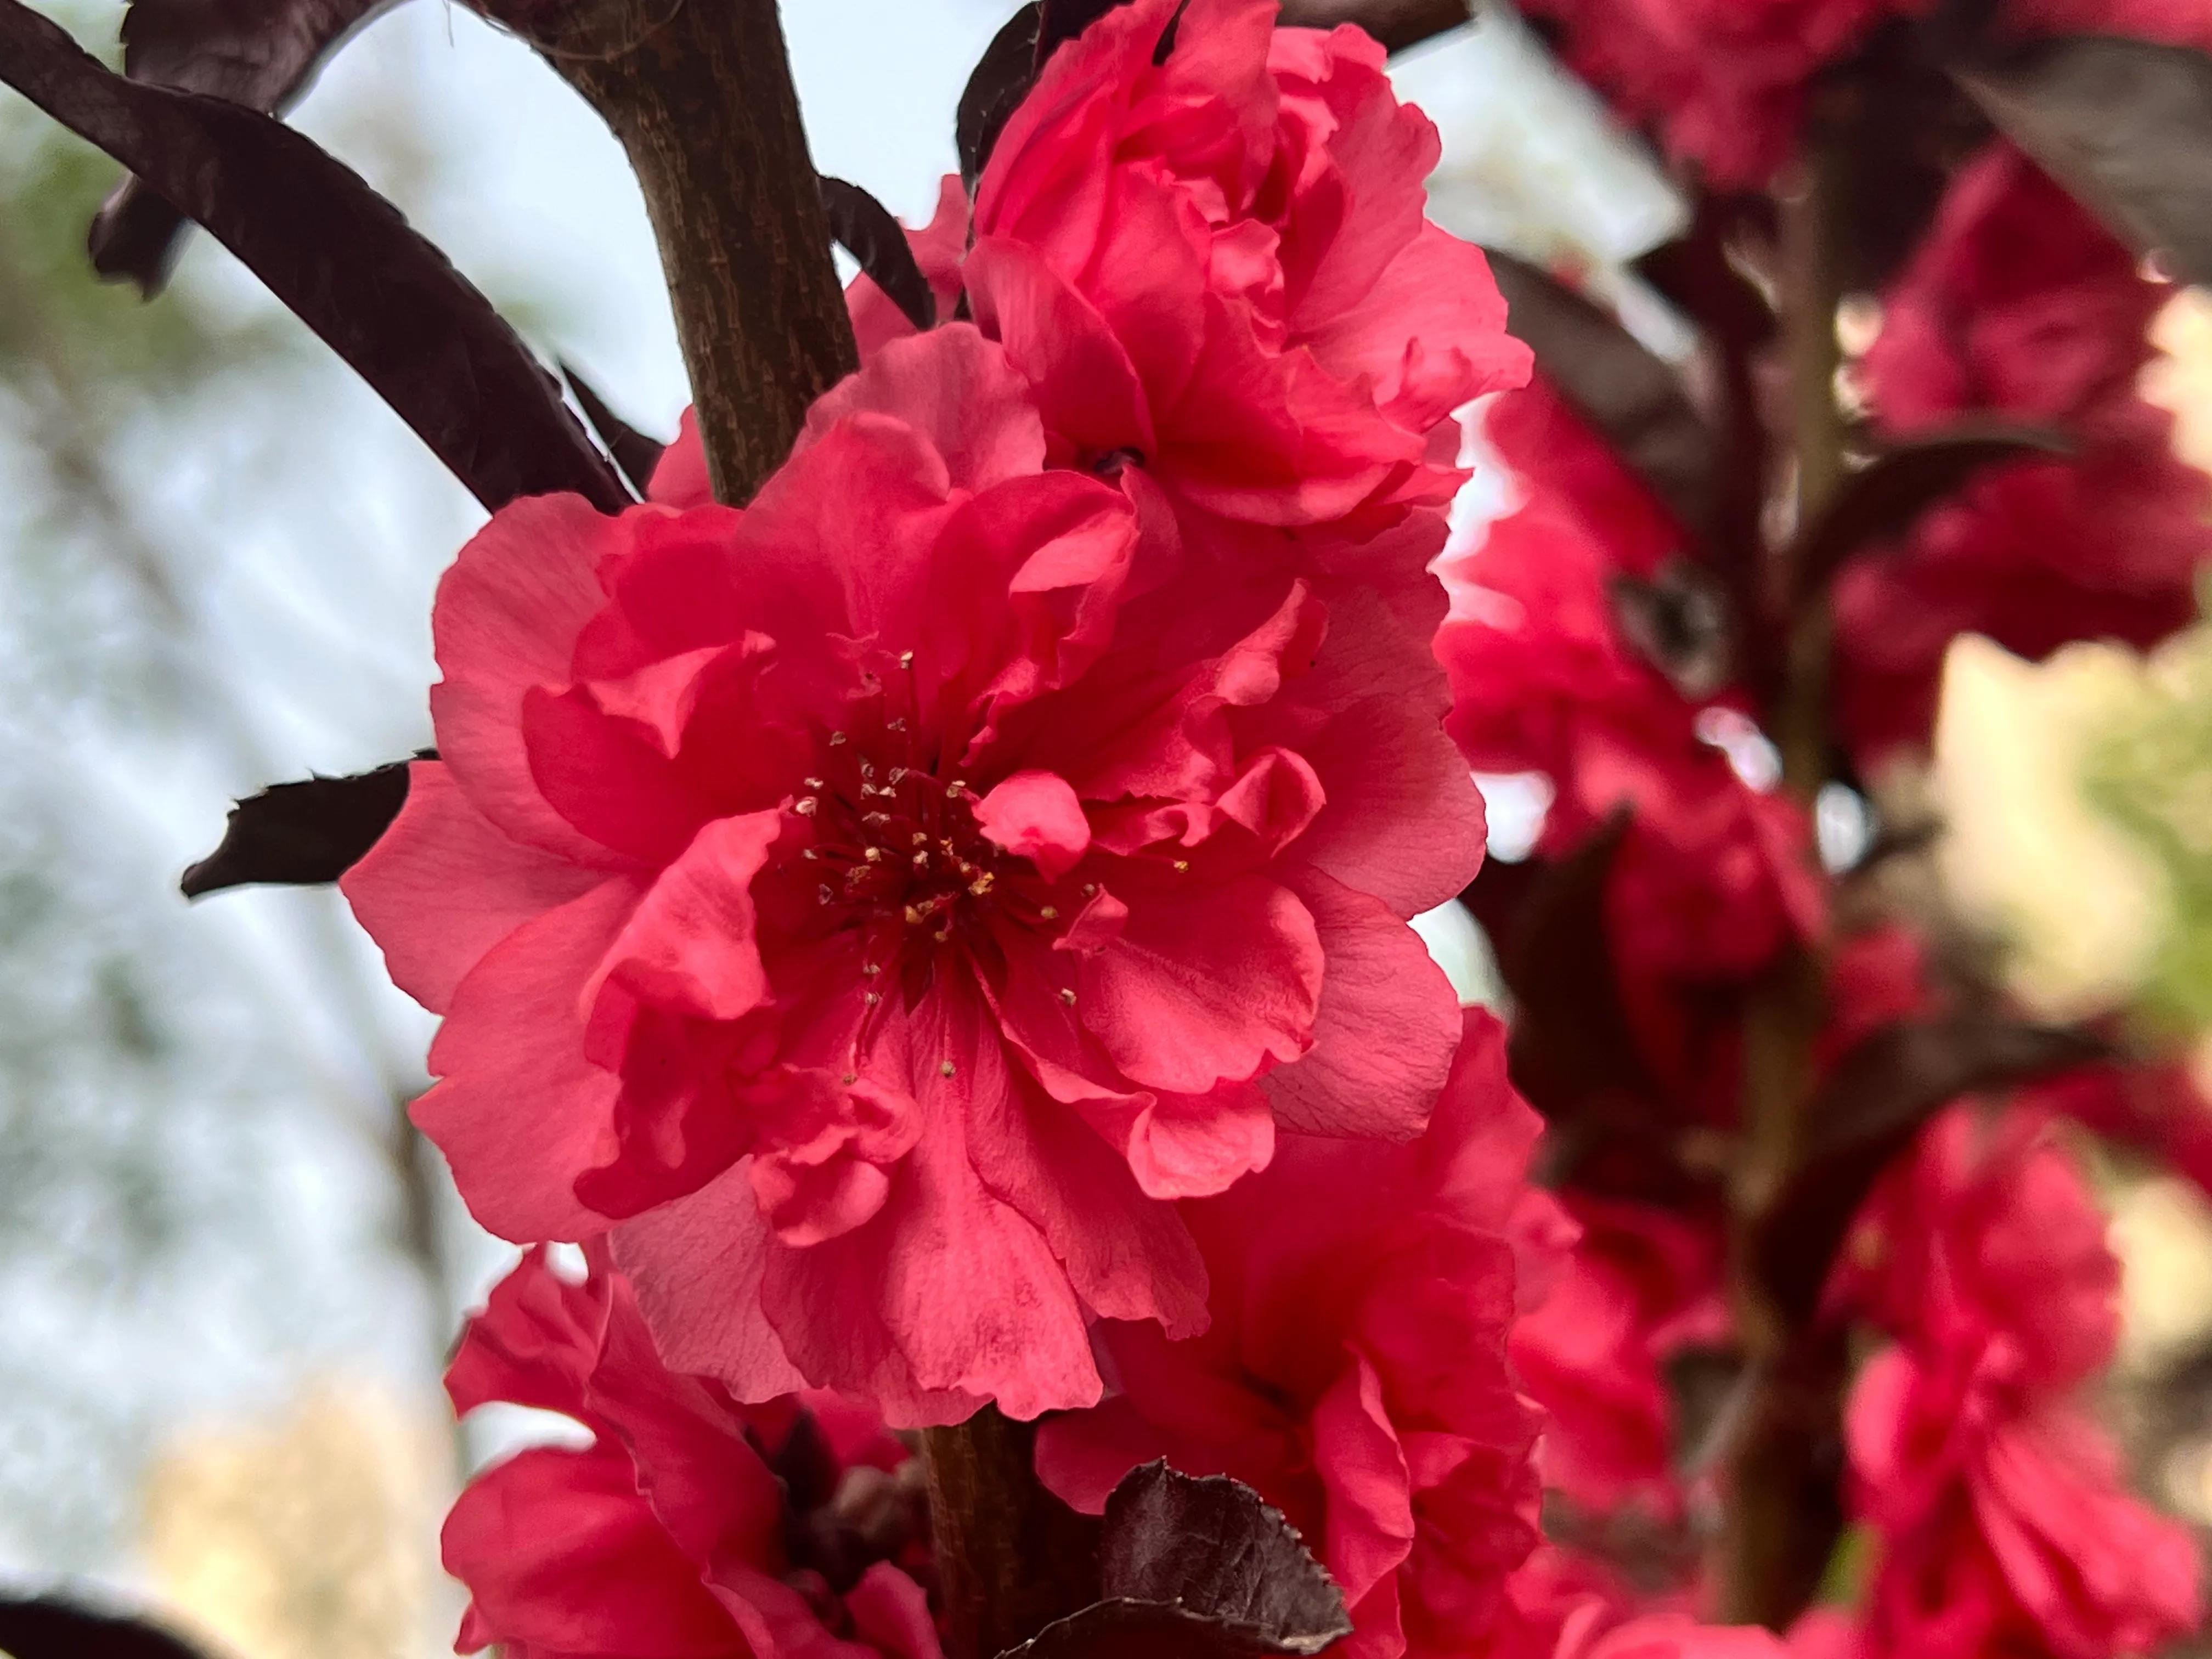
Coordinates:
(1011,1557)
(700,93)
(1784,1510)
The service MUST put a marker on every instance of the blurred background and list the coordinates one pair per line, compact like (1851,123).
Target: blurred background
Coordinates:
(229,1274)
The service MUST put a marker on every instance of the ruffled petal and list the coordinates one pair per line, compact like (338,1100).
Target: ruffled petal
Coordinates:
(1383,1031)
(520,1113)
(506,620)
(445,885)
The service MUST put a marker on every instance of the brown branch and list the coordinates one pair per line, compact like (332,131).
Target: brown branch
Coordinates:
(700,93)
(1783,1512)
(1011,1557)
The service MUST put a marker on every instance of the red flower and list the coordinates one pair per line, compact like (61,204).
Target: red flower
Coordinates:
(2020,303)
(1218,265)
(1724,81)
(668,1535)
(2004,1523)
(1355,1371)
(1714,874)
(1989,1229)
(882,901)
(1640,1285)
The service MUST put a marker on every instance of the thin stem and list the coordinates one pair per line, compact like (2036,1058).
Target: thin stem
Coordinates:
(1784,1509)
(1011,1557)
(1813,293)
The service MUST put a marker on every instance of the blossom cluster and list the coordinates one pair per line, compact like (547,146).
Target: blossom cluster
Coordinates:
(1991,1499)
(937,935)
(2019,304)
(1726,84)
(2001,1519)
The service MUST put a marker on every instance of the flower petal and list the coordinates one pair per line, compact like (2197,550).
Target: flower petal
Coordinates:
(520,1113)
(445,885)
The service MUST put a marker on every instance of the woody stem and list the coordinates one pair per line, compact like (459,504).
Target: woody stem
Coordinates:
(1011,1557)
(1783,1510)
(701,95)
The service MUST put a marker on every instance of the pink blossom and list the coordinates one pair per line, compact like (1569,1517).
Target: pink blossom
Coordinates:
(1217,267)
(883,901)
(1671,1636)
(1355,1372)
(1714,875)
(1988,1229)
(1723,81)
(1641,1284)
(2004,1523)
(669,1534)
(2019,303)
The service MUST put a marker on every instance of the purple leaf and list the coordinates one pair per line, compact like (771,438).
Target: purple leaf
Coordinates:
(262,54)
(2125,125)
(1885,497)
(46,1627)
(340,256)
(1197,1569)
(1001,79)
(635,453)
(301,834)
(1629,395)
(864,229)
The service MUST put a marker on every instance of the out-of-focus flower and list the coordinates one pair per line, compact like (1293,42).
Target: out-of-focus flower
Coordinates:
(2001,1522)
(885,900)
(1714,873)
(2017,303)
(1641,1284)
(2005,1526)
(1723,82)
(1988,1229)
(689,1526)
(1355,1372)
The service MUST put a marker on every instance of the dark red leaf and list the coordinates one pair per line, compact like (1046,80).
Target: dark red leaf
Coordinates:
(1197,1569)
(301,834)
(1572,1039)
(635,454)
(1001,79)
(1396,23)
(2126,125)
(1632,399)
(340,256)
(864,229)
(1884,498)
(46,1627)
(1874,1101)
(1678,622)
(260,53)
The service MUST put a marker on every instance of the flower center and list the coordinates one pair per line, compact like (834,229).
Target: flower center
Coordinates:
(893,847)
(895,841)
